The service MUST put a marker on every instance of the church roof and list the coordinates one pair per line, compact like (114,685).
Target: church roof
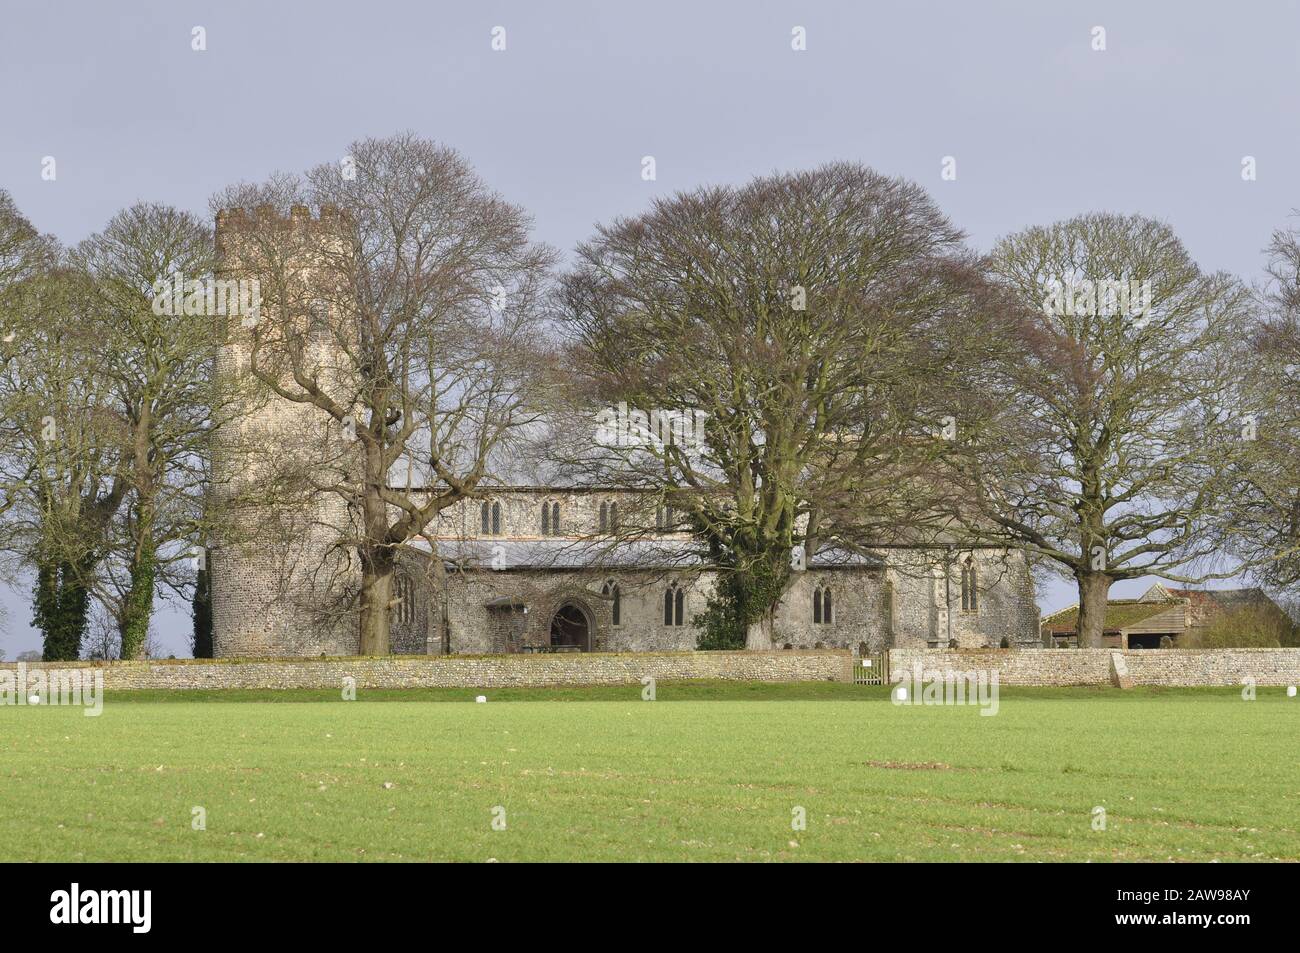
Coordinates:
(570,554)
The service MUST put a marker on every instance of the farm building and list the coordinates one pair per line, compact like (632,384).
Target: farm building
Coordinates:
(1180,615)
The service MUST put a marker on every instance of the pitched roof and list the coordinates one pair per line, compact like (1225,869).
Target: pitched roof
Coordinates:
(1224,598)
(569,554)
(1120,614)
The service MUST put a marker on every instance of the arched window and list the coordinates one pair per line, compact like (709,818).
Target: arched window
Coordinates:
(403,598)
(318,321)
(823,606)
(490,519)
(969,588)
(555,519)
(665,519)
(546,519)
(604,517)
(613,517)
(610,591)
(550,519)
(674,605)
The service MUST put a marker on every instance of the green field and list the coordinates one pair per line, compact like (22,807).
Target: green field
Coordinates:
(706,772)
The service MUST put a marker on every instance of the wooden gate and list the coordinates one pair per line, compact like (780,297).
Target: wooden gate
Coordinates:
(871,669)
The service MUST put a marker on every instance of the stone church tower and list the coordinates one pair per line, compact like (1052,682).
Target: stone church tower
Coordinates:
(280,578)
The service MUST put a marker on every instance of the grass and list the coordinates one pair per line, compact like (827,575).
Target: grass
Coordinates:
(709,771)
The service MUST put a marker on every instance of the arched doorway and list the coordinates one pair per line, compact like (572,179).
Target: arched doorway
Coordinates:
(570,630)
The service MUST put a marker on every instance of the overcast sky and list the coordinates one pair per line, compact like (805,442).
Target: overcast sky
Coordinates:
(1042,125)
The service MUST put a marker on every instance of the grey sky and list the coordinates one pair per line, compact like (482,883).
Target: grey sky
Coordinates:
(1041,125)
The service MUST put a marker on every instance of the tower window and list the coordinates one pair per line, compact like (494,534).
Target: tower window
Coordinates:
(318,321)
(665,519)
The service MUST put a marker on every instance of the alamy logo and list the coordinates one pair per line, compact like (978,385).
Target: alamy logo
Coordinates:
(178,295)
(947,687)
(103,906)
(622,426)
(1106,298)
(53,686)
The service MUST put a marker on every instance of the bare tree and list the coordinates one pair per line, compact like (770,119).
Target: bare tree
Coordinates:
(60,450)
(789,353)
(24,252)
(411,330)
(1126,421)
(155,358)
(1266,511)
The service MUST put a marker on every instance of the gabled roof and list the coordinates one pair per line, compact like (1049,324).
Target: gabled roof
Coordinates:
(1120,614)
(1224,598)
(1218,598)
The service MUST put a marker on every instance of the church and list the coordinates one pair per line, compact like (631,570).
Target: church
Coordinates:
(536,569)
(527,568)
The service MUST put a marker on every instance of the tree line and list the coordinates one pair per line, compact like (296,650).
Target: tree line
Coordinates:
(1083,392)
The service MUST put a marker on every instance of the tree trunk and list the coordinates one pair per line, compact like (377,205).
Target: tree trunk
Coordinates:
(376,594)
(74,604)
(137,604)
(201,644)
(62,603)
(1094,588)
(758,634)
(46,616)
(766,589)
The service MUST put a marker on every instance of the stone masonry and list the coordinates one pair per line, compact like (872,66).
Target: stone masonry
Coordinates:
(1171,667)
(271,575)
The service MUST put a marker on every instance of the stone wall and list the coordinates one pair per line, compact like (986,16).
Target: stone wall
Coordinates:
(466,671)
(521,513)
(862,600)
(860,618)
(641,616)
(927,605)
(1169,667)
(1214,666)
